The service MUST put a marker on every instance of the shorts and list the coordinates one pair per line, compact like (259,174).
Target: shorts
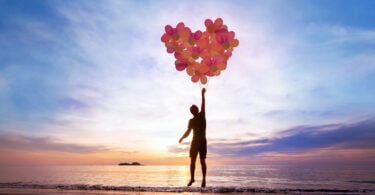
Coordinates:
(198,146)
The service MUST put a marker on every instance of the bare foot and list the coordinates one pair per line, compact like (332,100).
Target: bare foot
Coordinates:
(191,182)
(203,184)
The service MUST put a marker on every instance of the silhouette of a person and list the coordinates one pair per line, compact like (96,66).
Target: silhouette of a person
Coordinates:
(199,142)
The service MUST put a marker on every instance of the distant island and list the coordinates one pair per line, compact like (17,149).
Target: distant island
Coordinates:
(130,164)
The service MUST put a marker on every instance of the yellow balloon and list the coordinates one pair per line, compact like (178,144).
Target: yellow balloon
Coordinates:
(203,79)
(190,70)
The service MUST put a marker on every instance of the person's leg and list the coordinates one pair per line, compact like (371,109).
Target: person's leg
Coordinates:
(193,157)
(192,170)
(202,156)
(204,169)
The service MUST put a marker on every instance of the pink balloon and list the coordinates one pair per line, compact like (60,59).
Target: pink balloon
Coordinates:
(195,78)
(198,35)
(180,66)
(180,26)
(170,50)
(169,29)
(208,22)
(202,54)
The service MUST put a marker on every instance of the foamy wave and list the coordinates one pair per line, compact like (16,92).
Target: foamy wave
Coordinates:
(181,189)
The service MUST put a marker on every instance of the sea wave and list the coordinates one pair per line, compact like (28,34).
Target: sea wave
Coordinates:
(371,182)
(217,189)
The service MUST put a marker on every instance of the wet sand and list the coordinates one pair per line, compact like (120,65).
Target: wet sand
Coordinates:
(15,191)
(24,191)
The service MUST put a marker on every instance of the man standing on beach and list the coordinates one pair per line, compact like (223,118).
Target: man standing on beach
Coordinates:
(199,142)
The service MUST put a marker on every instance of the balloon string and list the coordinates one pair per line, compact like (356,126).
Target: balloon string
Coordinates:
(204,86)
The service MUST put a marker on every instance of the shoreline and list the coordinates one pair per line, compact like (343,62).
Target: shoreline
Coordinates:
(34,191)
(20,188)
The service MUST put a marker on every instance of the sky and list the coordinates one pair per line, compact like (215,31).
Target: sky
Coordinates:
(90,83)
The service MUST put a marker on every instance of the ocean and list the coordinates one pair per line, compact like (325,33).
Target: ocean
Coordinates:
(228,178)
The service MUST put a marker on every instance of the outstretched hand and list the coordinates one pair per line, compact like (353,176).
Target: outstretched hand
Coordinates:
(203,91)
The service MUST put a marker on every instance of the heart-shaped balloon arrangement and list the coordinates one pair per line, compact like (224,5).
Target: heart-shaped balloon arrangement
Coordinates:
(202,54)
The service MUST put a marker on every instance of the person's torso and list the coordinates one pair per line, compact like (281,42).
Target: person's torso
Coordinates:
(198,124)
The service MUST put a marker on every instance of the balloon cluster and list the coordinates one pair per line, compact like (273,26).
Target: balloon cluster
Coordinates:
(202,54)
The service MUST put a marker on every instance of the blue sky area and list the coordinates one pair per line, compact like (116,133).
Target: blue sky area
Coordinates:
(93,77)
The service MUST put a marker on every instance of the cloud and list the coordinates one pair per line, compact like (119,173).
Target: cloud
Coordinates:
(47,144)
(339,34)
(179,148)
(294,113)
(300,139)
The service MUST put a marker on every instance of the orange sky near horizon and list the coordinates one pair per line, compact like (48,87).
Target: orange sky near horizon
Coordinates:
(325,156)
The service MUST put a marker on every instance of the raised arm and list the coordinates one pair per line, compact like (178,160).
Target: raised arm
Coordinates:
(203,106)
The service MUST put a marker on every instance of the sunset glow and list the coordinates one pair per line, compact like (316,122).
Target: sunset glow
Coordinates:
(90,83)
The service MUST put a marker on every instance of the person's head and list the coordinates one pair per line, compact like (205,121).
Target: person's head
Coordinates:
(194,109)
